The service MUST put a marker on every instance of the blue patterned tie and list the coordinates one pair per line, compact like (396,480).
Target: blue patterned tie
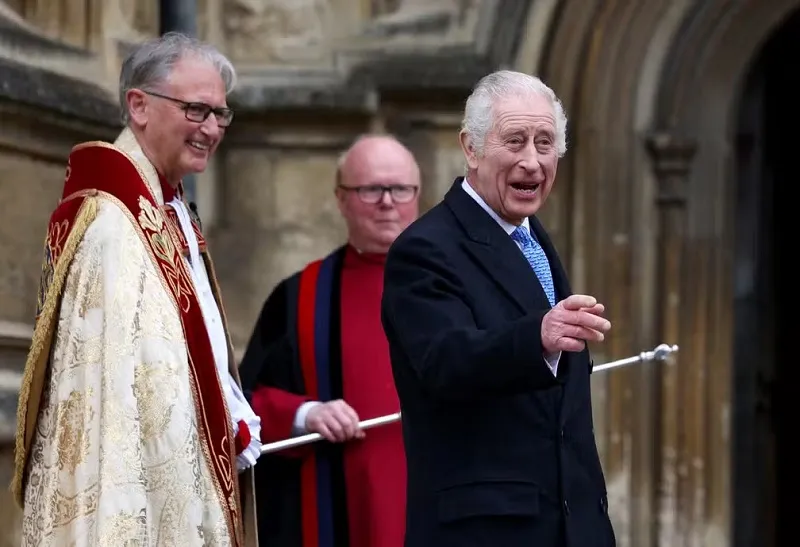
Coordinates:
(537,259)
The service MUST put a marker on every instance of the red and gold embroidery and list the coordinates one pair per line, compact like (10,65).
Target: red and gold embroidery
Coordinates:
(155,230)
(88,175)
(174,225)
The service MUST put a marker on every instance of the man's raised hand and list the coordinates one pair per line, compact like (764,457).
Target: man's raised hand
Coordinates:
(573,322)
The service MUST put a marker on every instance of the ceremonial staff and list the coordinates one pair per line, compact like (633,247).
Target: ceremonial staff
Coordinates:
(660,353)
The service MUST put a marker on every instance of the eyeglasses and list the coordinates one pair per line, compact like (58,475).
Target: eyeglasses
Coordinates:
(199,112)
(401,193)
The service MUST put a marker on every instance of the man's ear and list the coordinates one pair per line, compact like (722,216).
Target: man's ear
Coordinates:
(339,193)
(468,147)
(136,100)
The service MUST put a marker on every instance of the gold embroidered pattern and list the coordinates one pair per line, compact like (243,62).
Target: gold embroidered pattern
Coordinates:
(149,217)
(119,388)
(152,223)
(155,389)
(69,509)
(73,436)
(124,529)
(53,247)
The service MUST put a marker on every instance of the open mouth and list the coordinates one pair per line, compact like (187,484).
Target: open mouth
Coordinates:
(203,147)
(525,187)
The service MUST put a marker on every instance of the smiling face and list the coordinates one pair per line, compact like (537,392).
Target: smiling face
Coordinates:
(515,171)
(177,146)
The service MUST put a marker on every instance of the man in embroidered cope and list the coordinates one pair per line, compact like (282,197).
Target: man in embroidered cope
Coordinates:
(132,425)
(318,362)
(488,344)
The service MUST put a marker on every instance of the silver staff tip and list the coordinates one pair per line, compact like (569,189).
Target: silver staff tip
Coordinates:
(663,351)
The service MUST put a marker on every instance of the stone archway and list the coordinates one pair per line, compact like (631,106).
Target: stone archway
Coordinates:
(644,208)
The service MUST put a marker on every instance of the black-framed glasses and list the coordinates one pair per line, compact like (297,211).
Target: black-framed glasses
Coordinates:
(401,193)
(199,112)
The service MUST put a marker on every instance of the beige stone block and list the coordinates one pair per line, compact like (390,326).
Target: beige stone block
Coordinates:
(280,213)
(304,190)
(29,190)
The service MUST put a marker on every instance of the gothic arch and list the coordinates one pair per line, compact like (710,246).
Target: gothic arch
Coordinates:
(652,92)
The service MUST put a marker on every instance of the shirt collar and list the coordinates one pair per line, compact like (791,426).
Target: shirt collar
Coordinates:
(507,226)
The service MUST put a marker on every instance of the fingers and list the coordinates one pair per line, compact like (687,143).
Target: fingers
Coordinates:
(566,343)
(597,309)
(589,320)
(336,421)
(576,320)
(582,333)
(577,301)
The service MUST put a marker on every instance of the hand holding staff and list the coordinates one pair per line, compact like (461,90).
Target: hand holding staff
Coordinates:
(660,353)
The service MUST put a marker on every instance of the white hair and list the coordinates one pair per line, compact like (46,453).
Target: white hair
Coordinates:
(149,64)
(479,110)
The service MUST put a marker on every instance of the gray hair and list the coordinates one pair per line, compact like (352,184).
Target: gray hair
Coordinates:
(149,64)
(478,112)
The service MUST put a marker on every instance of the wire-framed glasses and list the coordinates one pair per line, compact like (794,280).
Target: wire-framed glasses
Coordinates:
(199,112)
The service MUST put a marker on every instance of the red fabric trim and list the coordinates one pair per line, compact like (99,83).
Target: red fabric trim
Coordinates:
(243,437)
(103,168)
(168,191)
(175,228)
(307,300)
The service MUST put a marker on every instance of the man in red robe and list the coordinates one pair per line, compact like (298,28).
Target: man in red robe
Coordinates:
(318,362)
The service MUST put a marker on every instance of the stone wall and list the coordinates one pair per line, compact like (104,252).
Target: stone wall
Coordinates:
(314,74)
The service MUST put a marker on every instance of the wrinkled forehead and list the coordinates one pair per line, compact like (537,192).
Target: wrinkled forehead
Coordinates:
(524,112)
(195,79)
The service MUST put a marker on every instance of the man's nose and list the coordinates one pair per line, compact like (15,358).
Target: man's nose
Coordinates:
(210,127)
(386,198)
(530,158)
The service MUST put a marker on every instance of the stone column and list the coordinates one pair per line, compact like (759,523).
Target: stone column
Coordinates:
(64,20)
(276,212)
(433,139)
(671,158)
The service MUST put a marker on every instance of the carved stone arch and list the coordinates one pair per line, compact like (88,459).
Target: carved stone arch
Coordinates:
(700,98)
(651,89)
(597,60)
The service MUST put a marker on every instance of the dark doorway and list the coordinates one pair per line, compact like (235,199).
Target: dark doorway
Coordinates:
(766,169)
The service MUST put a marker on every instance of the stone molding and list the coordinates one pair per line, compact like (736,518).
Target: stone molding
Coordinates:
(15,335)
(359,76)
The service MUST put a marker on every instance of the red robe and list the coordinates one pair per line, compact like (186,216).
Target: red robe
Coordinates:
(327,495)
(375,470)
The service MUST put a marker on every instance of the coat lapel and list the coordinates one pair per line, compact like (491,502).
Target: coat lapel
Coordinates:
(495,251)
(563,290)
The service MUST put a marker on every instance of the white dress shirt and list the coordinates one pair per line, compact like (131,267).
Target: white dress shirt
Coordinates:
(237,404)
(551,360)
